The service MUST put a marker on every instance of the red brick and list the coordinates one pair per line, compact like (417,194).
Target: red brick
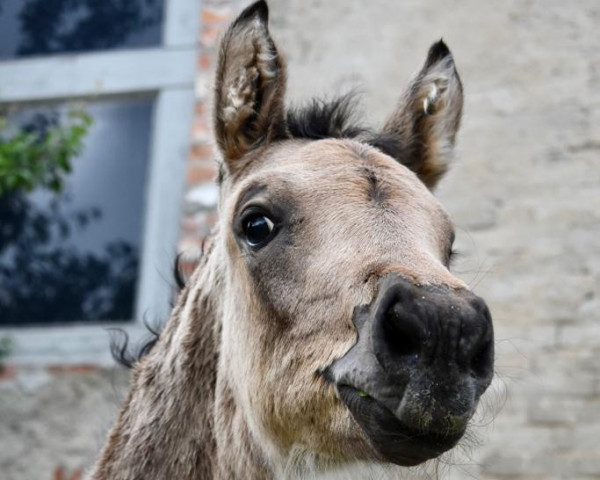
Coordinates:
(213,15)
(200,129)
(200,108)
(71,369)
(8,372)
(59,474)
(202,151)
(189,225)
(204,61)
(210,35)
(200,172)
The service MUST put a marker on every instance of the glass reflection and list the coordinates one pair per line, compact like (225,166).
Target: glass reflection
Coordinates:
(73,256)
(43,27)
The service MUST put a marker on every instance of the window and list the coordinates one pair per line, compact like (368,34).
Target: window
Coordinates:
(106,245)
(74,256)
(43,27)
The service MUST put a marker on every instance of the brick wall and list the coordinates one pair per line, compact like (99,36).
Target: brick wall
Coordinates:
(199,211)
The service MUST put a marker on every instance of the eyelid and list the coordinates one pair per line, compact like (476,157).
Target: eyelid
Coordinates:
(257,206)
(248,195)
(255,209)
(451,251)
(452,238)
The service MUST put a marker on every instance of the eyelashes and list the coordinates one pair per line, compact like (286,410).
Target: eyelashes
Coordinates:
(453,255)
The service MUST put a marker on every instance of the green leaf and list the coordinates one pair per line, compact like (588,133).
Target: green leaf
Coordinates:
(33,160)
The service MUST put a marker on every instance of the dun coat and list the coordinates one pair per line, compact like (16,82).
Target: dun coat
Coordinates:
(307,342)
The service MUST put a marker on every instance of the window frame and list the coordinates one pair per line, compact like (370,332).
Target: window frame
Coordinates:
(168,72)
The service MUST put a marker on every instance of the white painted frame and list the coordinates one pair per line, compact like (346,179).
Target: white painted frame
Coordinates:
(169,73)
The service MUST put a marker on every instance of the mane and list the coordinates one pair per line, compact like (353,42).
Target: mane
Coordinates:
(128,355)
(337,117)
(326,118)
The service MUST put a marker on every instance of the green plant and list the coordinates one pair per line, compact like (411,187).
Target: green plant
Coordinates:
(31,159)
(44,275)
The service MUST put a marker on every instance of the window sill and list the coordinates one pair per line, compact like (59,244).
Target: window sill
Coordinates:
(67,345)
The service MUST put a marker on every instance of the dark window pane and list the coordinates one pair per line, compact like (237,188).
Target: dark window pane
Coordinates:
(44,27)
(73,256)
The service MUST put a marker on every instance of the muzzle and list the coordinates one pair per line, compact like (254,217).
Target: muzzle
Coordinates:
(423,358)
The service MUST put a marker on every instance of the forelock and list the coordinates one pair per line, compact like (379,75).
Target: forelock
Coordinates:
(338,118)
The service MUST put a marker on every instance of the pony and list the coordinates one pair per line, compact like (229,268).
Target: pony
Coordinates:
(322,333)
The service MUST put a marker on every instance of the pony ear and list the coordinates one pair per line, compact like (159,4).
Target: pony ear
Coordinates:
(428,116)
(250,86)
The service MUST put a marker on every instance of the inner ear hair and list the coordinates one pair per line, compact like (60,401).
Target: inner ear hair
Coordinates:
(428,116)
(250,86)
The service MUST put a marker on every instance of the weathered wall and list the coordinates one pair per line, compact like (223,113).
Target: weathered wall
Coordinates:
(525,195)
(53,421)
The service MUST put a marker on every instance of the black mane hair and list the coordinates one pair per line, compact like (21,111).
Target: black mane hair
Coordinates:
(338,118)
(124,353)
(120,345)
(325,118)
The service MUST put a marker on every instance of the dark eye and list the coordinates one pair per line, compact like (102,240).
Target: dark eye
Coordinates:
(258,229)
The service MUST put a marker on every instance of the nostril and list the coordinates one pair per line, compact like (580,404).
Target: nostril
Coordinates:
(483,360)
(402,334)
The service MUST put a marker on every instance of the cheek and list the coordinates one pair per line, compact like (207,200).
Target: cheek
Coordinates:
(278,286)
(296,327)
(277,276)
(306,310)
(294,404)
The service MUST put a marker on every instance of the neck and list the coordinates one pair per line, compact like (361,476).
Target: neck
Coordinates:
(165,428)
(178,420)
(181,421)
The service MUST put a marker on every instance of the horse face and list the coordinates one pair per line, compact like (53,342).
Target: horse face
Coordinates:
(344,334)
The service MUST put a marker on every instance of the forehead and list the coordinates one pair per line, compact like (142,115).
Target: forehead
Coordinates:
(334,171)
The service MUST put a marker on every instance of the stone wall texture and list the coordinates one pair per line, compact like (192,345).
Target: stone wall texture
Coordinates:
(524,194)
